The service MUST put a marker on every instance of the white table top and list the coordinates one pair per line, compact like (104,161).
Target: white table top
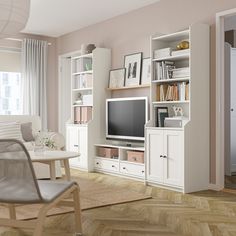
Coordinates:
(52,155)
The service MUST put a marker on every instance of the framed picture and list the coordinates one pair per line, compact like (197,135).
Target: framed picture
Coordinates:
(117,78)
(146,71)
(161,114)
(133,64)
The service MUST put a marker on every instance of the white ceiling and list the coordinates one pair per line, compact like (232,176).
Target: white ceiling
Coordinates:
(57,17)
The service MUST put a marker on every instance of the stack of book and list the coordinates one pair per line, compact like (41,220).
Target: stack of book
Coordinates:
(173,92)
(180,52)
(180,72)
(164,70)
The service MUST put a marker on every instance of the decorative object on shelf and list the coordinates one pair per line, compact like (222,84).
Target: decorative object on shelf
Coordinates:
(146,71)
(178,111)
(164,52)
(132,64)
(117,78)
(183,45)
(78,101)
(90,48)
(161,114)
(14,16)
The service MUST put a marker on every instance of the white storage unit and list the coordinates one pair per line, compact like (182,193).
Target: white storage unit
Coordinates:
(178,157)
(89,78)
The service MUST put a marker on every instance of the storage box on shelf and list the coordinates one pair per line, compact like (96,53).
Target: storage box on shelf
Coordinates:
(180,79)
(87,124)
(120,160)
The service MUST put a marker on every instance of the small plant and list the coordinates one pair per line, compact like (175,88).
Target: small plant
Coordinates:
(49,143)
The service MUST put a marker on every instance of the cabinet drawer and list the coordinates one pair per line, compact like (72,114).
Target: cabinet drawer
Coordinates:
(132,169)
(108,165)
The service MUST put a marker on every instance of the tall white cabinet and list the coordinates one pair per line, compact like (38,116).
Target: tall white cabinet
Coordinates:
(178,156)
(89,79)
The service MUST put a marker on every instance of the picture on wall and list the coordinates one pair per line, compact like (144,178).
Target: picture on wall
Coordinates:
(132,64)
(146,71)
(117,78)
(161,114)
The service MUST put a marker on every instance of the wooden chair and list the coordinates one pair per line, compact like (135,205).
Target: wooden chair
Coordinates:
(18,185)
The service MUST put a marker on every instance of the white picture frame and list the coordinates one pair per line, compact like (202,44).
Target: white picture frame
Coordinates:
(117,78)
(133,66)
(146,71)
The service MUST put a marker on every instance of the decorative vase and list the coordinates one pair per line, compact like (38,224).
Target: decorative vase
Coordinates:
(90,48)
(183,45)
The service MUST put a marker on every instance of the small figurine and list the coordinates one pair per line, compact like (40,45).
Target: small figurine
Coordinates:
(178,110)
(78,100)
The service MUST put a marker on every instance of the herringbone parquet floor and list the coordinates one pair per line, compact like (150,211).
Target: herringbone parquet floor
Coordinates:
(168,213)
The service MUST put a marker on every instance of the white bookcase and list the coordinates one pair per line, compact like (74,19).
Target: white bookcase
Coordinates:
(178,157)
(89,78)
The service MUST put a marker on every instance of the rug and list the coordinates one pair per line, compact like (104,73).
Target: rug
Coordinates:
(92,195)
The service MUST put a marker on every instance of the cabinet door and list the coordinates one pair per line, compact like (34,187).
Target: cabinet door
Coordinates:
(173,157)
(77,142)
(154,155)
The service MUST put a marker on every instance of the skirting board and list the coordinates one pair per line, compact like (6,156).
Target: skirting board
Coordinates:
(214,187)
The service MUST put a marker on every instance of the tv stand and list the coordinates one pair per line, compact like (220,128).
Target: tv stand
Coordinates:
(122,160)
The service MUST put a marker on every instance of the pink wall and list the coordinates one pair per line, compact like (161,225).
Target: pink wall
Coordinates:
(130,33)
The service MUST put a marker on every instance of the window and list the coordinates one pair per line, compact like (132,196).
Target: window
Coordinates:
(10,93)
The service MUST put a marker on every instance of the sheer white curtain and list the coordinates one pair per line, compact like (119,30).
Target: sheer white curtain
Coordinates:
(34,74)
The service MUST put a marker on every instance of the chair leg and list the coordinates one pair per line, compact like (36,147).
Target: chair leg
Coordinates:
(12,211)
(78,224)
(39,223)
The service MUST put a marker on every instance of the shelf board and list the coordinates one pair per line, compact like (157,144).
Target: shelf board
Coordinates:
(171,80)
(132,162)
(165,128)
(130,87)
(136,148)
(82,56)
(174,36)
(169,102)
(82,105)
(173,58)
(107,158)
(82,89)
(83,72)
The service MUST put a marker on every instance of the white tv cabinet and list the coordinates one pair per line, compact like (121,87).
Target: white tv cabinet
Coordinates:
(178,158)
(119,165)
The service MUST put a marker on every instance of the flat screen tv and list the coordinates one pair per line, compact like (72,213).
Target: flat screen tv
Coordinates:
(125,118)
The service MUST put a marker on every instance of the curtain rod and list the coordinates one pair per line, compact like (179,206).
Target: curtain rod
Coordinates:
(20,40)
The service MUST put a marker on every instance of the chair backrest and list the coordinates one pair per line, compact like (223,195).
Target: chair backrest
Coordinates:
(18,183)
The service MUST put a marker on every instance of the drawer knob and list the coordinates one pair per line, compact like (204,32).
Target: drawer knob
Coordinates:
(124,168)
(97,163)
(113,166)
(142,171)
(76,145)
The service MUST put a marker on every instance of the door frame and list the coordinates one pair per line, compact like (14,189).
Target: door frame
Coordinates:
(220,86)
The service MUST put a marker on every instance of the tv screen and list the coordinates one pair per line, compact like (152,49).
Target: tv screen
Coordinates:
(126,118)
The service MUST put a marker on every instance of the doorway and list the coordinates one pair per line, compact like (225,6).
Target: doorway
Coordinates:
(226,100)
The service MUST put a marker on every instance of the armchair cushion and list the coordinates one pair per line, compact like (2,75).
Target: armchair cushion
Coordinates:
(27,132)
(10,130)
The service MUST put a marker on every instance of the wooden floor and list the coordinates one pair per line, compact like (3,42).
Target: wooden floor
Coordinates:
(168,213)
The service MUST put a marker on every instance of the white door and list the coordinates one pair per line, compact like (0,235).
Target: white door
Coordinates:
(173,157)
(155,155)
(233,111)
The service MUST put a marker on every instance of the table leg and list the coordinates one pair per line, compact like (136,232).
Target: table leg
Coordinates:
(52,170)
(67,169)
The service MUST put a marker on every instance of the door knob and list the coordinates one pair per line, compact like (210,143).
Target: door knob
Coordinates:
(231,109)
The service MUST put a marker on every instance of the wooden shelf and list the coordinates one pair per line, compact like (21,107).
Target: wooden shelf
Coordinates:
(173,58)
(130,87)
(83,72)
(171,80)
(83,56)
(169,102)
